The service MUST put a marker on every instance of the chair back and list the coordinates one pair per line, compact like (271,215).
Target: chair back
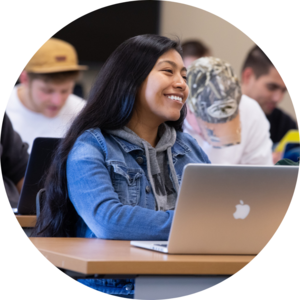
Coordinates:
(40,198)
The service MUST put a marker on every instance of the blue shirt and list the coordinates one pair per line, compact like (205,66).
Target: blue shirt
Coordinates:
(109,188)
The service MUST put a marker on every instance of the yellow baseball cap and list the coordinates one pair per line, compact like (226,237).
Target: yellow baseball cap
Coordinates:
(54,56)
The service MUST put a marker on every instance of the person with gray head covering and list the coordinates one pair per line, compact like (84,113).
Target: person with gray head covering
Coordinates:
(230,127)
(214,98)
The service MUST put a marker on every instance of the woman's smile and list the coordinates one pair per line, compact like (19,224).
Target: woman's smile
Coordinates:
(175,97)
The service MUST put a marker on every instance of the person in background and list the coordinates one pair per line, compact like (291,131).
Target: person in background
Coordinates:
(230,127)
(262,82)
(14,158)
(42,105)
(192,50)
(117,172)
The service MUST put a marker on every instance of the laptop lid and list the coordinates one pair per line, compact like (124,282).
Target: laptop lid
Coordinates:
(39,161)
(230,209)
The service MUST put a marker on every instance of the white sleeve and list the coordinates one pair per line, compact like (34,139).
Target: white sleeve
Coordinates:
(258,148)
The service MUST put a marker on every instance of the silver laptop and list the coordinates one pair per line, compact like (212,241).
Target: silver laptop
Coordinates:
(227,209)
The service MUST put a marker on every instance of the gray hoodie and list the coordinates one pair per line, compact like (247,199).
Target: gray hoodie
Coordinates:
(158,161)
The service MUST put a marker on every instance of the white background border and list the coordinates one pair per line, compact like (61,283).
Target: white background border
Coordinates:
(26,25)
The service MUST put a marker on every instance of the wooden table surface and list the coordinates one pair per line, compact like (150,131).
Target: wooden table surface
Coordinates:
(26,221)
(96,256)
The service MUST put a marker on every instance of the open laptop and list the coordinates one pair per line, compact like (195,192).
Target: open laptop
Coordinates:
(39,161)
(227,209)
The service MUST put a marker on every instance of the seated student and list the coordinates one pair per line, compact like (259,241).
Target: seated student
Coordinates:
(42,105)
(116,174)
(14,157)
(262,82)
(192,50)
(230,127)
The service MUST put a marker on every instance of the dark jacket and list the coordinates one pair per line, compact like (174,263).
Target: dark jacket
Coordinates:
(14,157)
(280,124)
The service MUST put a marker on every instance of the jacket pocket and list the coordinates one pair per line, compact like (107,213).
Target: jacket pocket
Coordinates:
(127,183)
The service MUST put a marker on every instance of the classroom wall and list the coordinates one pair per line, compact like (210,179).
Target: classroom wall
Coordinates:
(225,40)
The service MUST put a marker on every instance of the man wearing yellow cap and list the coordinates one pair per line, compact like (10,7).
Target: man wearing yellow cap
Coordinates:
(43,104)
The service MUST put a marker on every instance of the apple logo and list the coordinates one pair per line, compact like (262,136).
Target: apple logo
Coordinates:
(242,210)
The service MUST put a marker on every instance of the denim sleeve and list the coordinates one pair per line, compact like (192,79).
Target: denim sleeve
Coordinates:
(92,194)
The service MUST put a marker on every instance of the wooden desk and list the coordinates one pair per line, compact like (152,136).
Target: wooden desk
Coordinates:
(95,256)
(26,221)
(153,271)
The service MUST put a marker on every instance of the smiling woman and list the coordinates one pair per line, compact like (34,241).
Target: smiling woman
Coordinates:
(161,96)
(116,174)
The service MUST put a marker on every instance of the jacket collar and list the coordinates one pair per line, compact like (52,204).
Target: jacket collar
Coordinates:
(125,145)
(179,147)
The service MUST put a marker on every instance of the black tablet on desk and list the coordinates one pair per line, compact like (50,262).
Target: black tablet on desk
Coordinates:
(39,162)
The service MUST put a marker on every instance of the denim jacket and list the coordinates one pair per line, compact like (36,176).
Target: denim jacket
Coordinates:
(109,188)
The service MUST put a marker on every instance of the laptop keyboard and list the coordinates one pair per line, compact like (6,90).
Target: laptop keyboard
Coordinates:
(161,245)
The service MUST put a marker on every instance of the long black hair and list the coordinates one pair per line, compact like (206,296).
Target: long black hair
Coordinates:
(109,106)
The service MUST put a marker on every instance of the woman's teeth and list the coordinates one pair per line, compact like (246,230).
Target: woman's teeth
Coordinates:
(175,98)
